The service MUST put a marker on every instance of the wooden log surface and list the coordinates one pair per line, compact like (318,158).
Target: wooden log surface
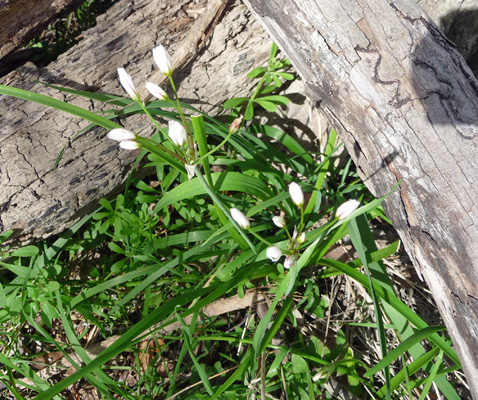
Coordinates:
(36,201)
(22,20)
(406,105)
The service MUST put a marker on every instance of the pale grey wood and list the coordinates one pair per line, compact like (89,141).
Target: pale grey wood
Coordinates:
(458,20)
(406,105)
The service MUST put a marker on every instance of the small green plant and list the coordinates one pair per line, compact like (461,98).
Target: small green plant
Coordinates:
(270,81)
(148,271)
(63,34)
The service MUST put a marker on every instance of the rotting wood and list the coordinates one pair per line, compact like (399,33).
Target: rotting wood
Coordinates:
(406,105)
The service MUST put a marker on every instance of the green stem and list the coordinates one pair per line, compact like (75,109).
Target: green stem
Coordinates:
(301,225)
(183,119)
(260,238)
(254,95)
(217,147)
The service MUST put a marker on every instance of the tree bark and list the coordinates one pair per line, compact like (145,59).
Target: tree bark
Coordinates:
(36,201)
(406,106)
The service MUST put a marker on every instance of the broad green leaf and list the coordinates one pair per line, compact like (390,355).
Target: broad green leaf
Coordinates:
(233,103)
(26,251)
(256,72)
(276,99)
(223,181)
(268,105)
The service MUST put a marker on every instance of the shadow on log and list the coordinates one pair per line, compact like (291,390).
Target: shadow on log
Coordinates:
(406,105)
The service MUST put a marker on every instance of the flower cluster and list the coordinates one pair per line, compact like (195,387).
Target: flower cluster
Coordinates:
(128,140)
(297,239)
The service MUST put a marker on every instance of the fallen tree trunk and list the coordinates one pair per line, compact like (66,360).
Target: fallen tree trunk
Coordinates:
(36,201)
(406,106)
(22,20)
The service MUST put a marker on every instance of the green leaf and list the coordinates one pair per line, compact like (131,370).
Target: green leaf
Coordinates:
(256,72)
(5,235)
(200,133)
(276,99)
(283,138)
(59,105)
(223,181)
(21,272)
(403,347)
(269,106)
(286,76)
(273,53)
(299,365)
(27,251)
(233,103)
(249,113)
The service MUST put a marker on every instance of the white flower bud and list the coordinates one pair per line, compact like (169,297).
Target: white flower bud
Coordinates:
(156,91)
(163,60)
(289,262)
(273,253)
(240,218)
(236,124)
(128,84)
(279,221)
(177,133)
(125,137)
(120,134)
(296,194)
(130,145)
(346,209)
(301,238)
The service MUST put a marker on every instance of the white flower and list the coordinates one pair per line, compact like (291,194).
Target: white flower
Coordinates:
(289,262)
(126,138)
(279,221)
(128,84)
(121,134)
(130,145)
(163,60)
(296,194)
(240,218)
(177,133)
(346,209)
(156,91)
(273,253)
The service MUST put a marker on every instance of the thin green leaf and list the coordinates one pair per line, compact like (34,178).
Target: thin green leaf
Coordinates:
(402,348)
(59,105)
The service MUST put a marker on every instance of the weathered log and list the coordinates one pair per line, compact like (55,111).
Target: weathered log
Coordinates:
(22,20)
(36,201)
(458,20)
(406,106)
